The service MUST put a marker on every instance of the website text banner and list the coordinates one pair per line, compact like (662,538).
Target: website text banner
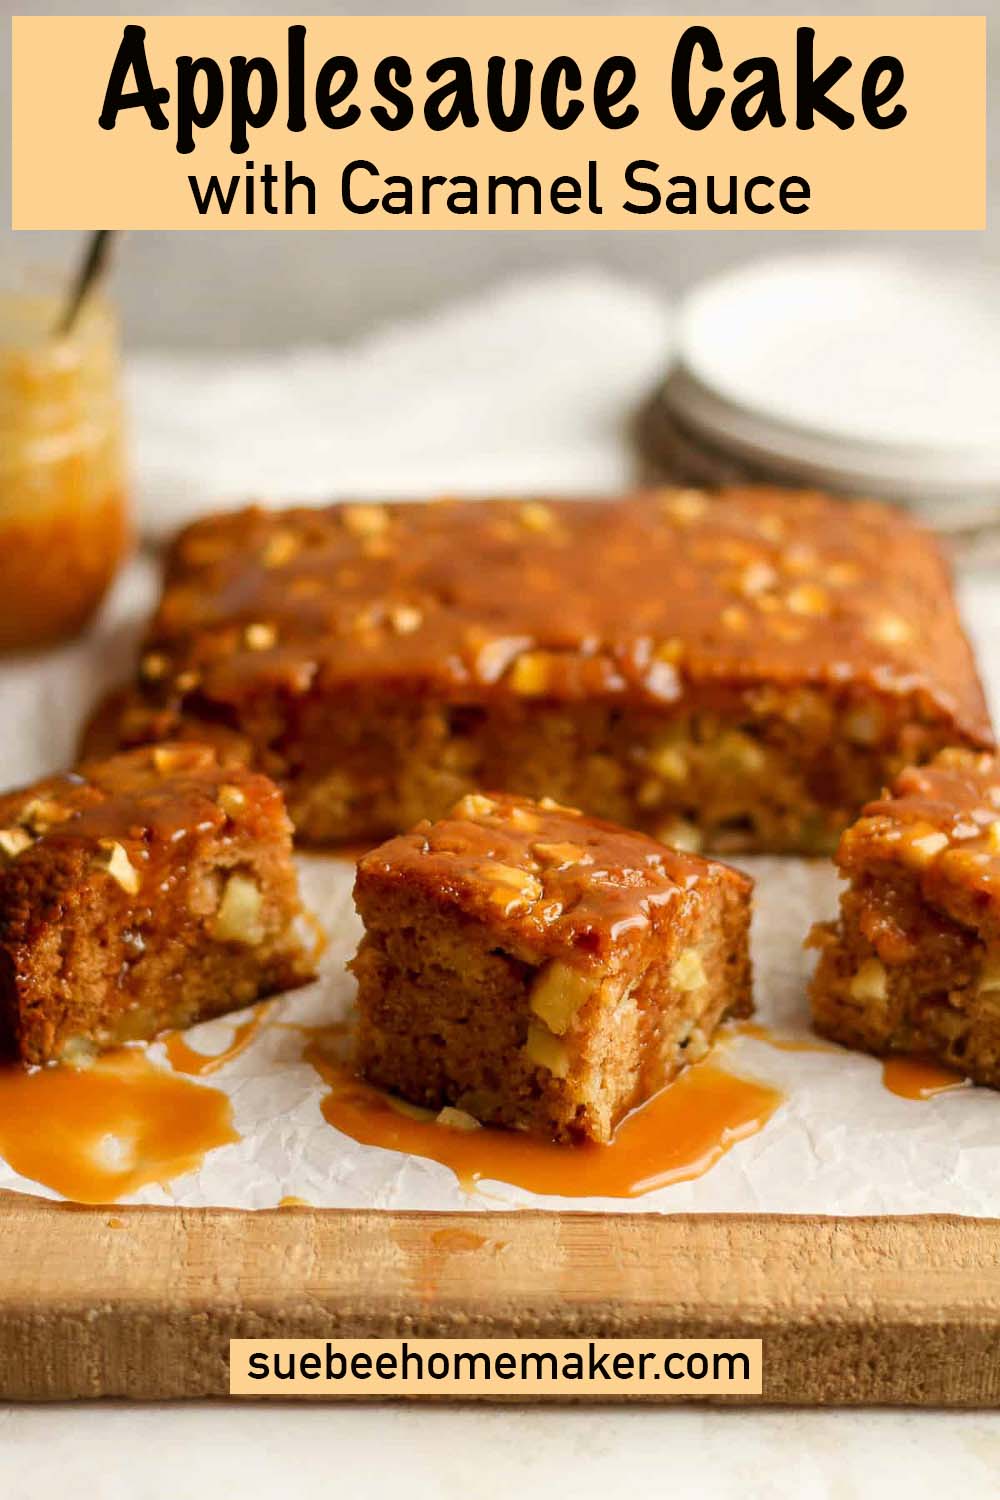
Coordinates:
(528,1369)
(476,122)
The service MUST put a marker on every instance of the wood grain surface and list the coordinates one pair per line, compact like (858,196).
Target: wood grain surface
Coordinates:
(142,1302)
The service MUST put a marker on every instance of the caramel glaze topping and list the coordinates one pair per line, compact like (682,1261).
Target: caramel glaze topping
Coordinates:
(938,832)
(144,799)
(559,883)
(635,600)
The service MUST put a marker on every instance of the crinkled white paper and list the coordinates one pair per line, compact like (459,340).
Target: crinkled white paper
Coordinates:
(527,390)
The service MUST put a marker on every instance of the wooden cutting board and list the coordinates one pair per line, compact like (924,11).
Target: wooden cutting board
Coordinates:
(142,1302)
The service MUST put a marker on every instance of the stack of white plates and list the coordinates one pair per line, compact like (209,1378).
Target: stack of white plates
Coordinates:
(858,373)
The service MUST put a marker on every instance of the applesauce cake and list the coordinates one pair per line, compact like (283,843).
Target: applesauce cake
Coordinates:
(740,672)
(139,894)
(912,966)
(527,966)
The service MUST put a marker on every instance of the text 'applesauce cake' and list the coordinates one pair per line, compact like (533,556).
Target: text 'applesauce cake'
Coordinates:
(740,672)
(531,967)
(913,964)
(141,893)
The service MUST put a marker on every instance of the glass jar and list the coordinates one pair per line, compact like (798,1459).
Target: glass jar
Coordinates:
(63,502)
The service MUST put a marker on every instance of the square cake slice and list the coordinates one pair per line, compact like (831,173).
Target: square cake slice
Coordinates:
(734,672)
(540,969)
(912,966)
(141,893)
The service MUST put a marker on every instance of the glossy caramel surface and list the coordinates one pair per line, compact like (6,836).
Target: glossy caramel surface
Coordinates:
(150,797)
(556,882)
(63,484)
(644,599)
(938,831)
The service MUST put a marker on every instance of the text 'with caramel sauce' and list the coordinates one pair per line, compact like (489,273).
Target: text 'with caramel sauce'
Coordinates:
(676,1136)
(96,1134)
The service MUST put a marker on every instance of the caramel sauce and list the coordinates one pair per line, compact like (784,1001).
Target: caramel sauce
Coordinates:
(96,1134)
(760,1033)
(320,937)
(604,887)
(183,1058)
(129,799)
(56,568)
(913,1078)
(676,1136)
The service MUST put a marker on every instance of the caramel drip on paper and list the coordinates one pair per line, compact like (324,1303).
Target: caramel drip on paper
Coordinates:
(912,1078)
(98,1133)
(350,853)
(183,1058)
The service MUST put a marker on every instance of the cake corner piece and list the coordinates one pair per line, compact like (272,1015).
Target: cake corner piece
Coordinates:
(139,894)
(911,965)
(542,970)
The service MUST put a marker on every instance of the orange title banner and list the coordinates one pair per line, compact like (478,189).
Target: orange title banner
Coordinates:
(480,122)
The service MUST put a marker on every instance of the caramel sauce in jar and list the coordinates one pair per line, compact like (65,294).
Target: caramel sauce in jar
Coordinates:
(63,513)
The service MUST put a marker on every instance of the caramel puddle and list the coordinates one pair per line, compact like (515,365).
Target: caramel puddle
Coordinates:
(911,1078)
(760,1033)
(675,1136)
(184,1059)
(351,852)
(96,1134)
